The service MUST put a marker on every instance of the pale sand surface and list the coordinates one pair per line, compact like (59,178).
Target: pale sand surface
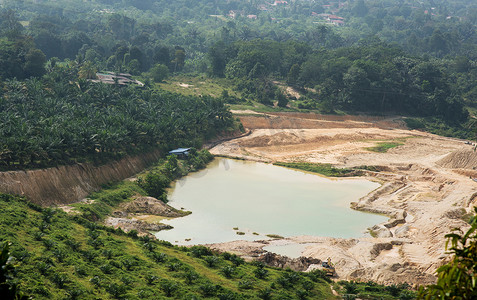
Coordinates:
(426,189)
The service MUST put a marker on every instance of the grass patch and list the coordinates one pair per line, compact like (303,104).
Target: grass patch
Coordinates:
(383,147)
(109,198)
(372,290)
(275,236)
(324,169)
(199,85)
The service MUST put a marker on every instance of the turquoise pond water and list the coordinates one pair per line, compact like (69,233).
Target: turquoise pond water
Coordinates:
(261,199)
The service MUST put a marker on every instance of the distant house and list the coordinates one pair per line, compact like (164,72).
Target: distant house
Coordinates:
(337,22)
(116,78)
(334,17)
(253,17)
(277,3)
(233,14)
(180,152)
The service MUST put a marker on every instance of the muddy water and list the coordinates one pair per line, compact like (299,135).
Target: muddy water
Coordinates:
(234,199)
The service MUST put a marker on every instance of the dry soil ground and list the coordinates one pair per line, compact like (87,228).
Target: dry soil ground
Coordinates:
(426,188)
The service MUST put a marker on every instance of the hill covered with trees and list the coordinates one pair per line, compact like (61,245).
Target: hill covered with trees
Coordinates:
(385,57)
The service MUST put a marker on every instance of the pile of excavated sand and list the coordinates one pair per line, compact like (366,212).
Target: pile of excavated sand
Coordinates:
(281,138)
(150,206)
(462,159)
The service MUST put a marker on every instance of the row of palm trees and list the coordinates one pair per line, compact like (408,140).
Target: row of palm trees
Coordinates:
(60,119)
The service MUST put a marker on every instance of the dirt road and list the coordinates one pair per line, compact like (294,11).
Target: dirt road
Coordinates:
(426,190)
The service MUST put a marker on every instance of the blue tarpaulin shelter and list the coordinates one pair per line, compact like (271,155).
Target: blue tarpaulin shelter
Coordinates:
(180,152)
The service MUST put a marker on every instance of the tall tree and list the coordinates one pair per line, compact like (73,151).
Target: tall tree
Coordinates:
(35,62)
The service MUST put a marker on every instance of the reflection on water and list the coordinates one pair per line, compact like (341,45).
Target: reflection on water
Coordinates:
(261,199)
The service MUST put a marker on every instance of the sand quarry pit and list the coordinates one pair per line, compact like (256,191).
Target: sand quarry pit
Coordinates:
(426,189)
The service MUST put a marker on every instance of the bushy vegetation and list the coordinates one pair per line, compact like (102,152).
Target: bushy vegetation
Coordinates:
(103,203)
(437,126)
(60,256)
(160,177)
(324,169)
(372,290)
(8,284)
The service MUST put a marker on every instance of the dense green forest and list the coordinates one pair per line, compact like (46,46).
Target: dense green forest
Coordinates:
(379,57)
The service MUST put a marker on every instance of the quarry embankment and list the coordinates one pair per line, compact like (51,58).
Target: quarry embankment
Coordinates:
(71,183)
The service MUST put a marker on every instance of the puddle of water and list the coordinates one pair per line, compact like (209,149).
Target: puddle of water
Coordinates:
(264,199)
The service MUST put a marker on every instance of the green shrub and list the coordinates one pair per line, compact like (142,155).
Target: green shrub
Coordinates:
(168,287)
(237,260)
(246,284)
(211,261)
(324,169)
(413,123)
(155,184)
(60,279)
(227,296)
(116,290)
(199,251)
(228,271)
(265,294)
(190,276)
(74,292)
(260,272)
(151,278)
(159,257)
(350,287)
(317,274)
(208,289)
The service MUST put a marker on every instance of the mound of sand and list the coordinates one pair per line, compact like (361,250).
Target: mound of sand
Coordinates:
(151,206)
(281,138)
(462,159)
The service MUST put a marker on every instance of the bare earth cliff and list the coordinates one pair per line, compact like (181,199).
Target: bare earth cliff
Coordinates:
(68,184)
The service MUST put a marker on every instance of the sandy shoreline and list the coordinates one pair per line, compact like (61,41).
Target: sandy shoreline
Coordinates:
(426,190)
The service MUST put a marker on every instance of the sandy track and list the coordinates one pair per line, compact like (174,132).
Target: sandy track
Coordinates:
(426,188)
